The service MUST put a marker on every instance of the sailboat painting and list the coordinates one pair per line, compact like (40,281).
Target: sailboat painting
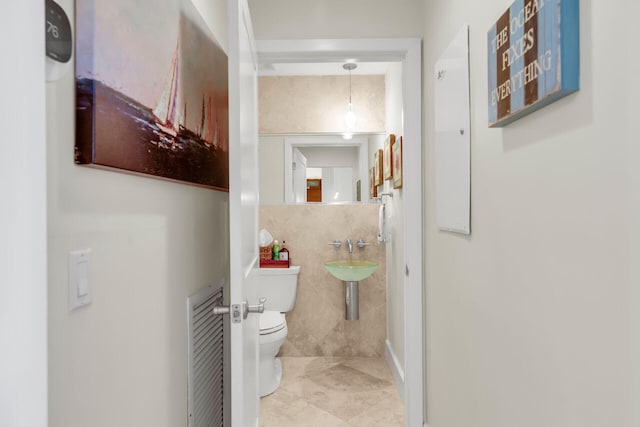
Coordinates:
(151,91)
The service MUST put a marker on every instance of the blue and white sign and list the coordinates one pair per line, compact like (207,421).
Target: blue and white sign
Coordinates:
(533,57)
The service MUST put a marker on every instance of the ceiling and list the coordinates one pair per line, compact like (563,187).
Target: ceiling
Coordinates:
(321,69)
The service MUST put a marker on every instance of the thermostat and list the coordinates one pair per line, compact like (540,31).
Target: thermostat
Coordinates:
(59,40)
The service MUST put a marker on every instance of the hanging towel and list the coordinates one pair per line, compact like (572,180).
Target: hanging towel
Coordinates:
(382,226)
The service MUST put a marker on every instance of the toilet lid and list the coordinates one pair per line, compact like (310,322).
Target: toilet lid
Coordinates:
(271,321)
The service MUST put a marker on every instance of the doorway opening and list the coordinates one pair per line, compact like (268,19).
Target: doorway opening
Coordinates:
(408,52)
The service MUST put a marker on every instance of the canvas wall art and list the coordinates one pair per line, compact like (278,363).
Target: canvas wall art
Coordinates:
(377,162)
(151,91)
(396,155)
(533,57)
(388,163)
(373,189)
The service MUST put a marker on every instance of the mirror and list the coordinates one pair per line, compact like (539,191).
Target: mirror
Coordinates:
(302,106)
(329,185)
(313,169)
(323,174)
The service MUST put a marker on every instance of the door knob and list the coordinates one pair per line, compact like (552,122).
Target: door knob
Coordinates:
(258,308)
(221,309)
(234,310)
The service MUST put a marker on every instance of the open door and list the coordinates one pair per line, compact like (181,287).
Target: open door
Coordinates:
(242,381)
(299,168)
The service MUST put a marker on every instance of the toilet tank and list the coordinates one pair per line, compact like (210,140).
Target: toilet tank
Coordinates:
(278,286)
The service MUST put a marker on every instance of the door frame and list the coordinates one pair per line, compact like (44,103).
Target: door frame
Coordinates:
(409,52)
(23,221)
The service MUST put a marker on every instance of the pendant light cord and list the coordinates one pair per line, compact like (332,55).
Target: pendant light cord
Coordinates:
(350,118)
(349,89)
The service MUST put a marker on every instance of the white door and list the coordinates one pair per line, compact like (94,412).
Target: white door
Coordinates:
(299,167)
(243,212)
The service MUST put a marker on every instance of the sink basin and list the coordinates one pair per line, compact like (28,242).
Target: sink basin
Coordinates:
(351,270)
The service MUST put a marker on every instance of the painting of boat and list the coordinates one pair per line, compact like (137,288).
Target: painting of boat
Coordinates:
(157,104)
(166,108)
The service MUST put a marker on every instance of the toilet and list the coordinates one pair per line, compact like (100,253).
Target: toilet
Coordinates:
(278,286)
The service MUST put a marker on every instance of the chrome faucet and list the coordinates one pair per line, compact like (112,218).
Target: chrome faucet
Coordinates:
(349,245)
(361,243)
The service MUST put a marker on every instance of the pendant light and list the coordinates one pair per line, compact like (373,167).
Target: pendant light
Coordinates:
(350,118)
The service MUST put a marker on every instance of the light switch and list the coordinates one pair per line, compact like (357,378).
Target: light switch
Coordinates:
(83,279)
(79,286)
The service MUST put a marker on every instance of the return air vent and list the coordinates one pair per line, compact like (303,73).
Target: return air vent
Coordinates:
(205,377)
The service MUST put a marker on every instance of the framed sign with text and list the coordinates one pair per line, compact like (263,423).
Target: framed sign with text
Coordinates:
(533,57)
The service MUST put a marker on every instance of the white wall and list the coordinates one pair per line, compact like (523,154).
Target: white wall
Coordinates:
(395,221)
(338,185)
(633,128)
(335,19)
(533,319)
(123,359)
(23,262)
(318,157)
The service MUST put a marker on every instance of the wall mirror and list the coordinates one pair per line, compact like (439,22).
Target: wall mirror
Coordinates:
(308,152)
(325,169)
(329,185)
(314,169)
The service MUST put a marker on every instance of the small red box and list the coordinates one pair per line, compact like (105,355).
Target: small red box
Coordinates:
(274,263)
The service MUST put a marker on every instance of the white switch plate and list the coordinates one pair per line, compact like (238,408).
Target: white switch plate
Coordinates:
(79,286)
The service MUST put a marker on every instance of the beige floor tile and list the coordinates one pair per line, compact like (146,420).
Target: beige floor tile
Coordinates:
(295,413)
(387,412)
(344,378)
(374,366)
(296,367)
(333,392)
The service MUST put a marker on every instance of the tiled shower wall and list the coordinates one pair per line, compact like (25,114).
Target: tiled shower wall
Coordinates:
(317,326)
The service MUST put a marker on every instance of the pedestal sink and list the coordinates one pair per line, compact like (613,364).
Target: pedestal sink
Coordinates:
(351,272)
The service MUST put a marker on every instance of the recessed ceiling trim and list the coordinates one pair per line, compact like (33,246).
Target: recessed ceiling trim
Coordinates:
(321,69)
(330,50)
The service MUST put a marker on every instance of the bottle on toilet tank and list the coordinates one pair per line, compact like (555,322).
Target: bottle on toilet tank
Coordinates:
(276,250)
(284,253)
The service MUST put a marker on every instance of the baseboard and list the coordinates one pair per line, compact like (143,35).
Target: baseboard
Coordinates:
(396,370)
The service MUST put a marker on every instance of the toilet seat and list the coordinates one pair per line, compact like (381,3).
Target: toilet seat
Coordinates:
(271,322)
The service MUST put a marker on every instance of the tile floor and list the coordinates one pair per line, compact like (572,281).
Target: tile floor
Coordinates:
(333,392)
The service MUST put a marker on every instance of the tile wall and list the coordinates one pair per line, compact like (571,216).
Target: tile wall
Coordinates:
(317,326)
(317,104)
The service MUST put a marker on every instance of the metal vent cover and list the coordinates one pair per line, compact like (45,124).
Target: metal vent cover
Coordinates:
(206,358)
